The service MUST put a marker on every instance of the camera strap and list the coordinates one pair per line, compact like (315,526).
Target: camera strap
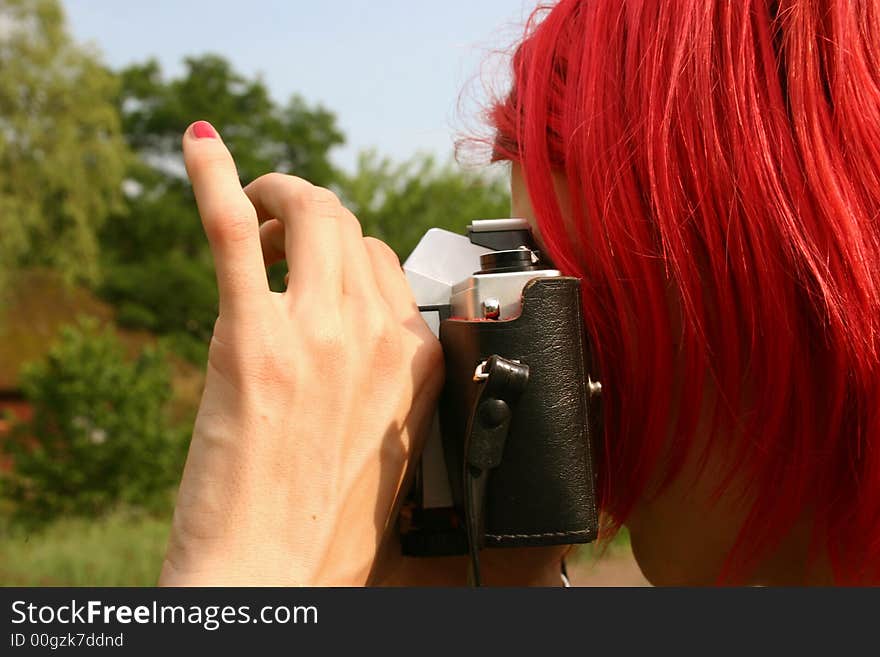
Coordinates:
(501,382)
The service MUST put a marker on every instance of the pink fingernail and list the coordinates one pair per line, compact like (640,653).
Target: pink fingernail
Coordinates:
(203,130)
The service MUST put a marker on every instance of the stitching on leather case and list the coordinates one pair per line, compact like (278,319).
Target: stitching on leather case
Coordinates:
(573,532)
(584,348)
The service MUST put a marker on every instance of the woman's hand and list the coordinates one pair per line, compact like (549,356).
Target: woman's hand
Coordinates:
(315,398)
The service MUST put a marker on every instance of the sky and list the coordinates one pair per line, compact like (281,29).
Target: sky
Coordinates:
(402,76)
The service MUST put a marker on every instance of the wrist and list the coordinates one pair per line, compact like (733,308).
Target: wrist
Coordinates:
(232,572)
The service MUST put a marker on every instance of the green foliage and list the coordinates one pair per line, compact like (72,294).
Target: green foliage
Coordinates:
(124,548)
(399,202)
(62,156)
(173,295)
(99,435)
(264,136)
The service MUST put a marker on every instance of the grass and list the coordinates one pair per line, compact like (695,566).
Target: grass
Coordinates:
(121,549)
(125,548)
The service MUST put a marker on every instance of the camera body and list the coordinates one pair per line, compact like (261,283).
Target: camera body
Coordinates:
(512,443)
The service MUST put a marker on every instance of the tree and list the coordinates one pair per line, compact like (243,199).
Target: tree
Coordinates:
(157,267)
(100,433)
(61,150)
(156,245)
(264,136)
(399,202)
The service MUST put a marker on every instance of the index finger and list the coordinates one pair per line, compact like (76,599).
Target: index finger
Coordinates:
(228,217)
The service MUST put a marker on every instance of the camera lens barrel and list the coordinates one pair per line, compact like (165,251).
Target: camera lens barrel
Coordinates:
(498,262)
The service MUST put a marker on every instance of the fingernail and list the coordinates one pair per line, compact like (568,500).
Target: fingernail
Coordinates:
(203,130)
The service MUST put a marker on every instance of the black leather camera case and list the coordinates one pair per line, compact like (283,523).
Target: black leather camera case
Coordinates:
(543,492)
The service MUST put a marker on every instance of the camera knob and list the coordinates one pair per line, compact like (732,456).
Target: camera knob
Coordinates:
(491,308)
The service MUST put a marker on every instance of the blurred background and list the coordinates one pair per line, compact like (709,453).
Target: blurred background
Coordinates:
(107,294)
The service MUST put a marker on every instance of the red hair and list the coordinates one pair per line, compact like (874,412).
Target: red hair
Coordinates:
(723,160)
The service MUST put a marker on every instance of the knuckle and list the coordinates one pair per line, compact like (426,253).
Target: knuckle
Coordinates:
(434,355)
(382,250)
(326,341)
(276,369)
(382,338)
(324,201)
(292,192)
(324,195)
(259,363)
(349,222)
(429,360)
(273,179)
(230,226)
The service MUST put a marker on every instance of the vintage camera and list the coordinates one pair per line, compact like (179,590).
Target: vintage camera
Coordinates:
(510,460)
